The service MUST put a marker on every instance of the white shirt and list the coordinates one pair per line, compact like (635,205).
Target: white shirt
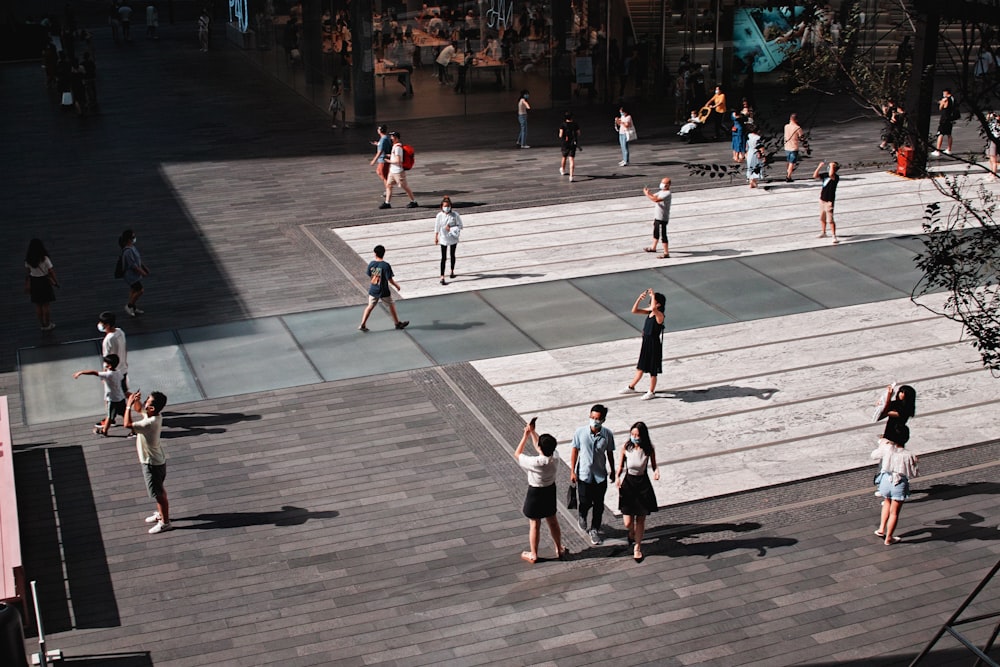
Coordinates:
(396,159)
(114,343)
(541,469)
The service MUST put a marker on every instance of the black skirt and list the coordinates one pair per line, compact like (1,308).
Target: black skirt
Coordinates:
(636,496)
(41,290)
(540,502)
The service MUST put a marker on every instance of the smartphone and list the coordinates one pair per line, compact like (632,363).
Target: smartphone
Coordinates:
(532,422)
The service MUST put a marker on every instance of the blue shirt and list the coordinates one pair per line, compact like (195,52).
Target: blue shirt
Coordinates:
(380,273)
(594,448)
(384,147)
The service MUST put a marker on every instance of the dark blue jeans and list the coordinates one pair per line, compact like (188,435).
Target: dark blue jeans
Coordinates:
(592,496)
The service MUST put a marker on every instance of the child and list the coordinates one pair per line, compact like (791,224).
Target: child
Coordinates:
(337,104)
(114,397)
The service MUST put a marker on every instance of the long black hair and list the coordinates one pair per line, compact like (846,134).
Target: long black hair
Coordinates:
(36,253)
(645,444)
(909,401)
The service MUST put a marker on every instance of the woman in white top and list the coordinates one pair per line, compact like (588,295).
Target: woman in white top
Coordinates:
(522,119)
(447,228)
(540,501)
(755,160)
(39,281)
(626,131)
(636,498)
(898,467)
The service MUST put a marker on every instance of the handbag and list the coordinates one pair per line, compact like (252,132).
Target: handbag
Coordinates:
(67,99)
(571,503)
(631,135)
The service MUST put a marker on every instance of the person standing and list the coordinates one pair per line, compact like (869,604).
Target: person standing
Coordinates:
(203,24)
(40,281)
(626,133)
(443,60)
(569,135)
(794,136)
(636,497)
(717,105)
(755,157)
(651,352)
(337,107)
(739,144)
(397,174)
(897,467)
(992,136)
(447,228)
(403,56)
(949,114)
(900,405)
(540,500)
(135,271)
(661,216)
(114,396)
(383,147)
(380,276)
(522,119)
(152,21)
(827,196)
(114,343)
(152,458)
(125,15)
(593,455)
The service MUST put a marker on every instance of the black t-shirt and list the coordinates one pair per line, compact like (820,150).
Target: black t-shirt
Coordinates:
(570,132)
(829,191)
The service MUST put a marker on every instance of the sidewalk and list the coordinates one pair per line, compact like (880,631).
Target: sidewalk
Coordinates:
(344,499)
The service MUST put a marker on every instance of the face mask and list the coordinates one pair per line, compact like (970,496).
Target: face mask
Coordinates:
(527,96)
(446,209)
(100,327)
(595,423)
(635,440)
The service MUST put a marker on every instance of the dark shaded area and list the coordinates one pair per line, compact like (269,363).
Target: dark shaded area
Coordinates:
(187,424)
(60,528)
(289,515)
(143,659)
(722,391)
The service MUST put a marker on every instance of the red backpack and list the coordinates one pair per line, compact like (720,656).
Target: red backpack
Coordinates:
(408,157)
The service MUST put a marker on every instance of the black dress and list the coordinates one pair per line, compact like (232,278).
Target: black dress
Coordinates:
(651,354)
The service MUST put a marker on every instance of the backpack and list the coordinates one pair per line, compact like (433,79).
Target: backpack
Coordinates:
(954,113)
(408,157)
(120,265)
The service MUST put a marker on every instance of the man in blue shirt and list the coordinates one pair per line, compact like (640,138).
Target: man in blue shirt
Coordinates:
(592,444)
(380,276)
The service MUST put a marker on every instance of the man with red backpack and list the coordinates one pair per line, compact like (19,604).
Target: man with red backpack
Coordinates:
(400,161)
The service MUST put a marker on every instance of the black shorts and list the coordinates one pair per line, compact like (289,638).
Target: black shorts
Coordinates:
(540,502)
(944,127)
(569,150)
(136,286)
(154,476)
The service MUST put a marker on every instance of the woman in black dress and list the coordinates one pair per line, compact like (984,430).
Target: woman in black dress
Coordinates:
(39,280)
(636,498)
(651,354)
(898,410)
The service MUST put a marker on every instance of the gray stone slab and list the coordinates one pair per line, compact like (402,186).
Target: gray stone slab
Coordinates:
(617,292)
(157,362)
(822,278)
(437,322)
(739,290)
(890,261)
(338,350)
(557,314)
(49,391)
(243,357)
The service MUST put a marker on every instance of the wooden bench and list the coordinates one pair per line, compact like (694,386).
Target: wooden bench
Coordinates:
(12,583)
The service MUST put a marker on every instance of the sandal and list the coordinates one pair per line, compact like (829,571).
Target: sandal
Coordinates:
(650,249)
(879,534)
(563,553)
(665,255)
(526,556)
(637,554)
(892,540)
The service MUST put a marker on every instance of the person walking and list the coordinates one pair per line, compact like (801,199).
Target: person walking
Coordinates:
(992,136)
(755,156)
(827,196)
(152,458)
(447,228)
(569,135)
(592,445)
(949,114)
(152,21)
(203,25)
(661,216)
(794,137)
(40,282)
(626,133)
(114,396)
(522,119)
(739,143)
(380,276)
(135,271)
(114,343)
(397,174)
(651,352)
(540,500)
(636,498)
(716,104)
(383,147)
(337,107)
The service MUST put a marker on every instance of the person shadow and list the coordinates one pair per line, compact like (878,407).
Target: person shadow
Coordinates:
(186,424)
(967,526)
(720,392)
(289,515)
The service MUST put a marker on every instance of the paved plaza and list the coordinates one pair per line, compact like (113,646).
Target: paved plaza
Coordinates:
(342,498)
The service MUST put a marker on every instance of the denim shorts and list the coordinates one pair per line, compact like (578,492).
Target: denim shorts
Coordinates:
(887,489)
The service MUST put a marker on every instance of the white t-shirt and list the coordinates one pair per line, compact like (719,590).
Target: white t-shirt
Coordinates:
(41,270)
(114,343)
(542,470)
(147,440)
(396,159)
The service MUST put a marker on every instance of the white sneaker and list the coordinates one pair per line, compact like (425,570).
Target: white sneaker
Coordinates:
(562,172)
(571,179)
(627,390)
(648,395)
(160,527)
(947,151)
(935,153)
(621,163)
(138,311)
(836,240)
(154,518)
(130,310)
(525,146)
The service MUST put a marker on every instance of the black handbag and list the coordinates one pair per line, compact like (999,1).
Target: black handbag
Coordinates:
(571,503)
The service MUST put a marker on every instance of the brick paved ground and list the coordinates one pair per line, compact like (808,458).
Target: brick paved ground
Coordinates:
(378,521)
